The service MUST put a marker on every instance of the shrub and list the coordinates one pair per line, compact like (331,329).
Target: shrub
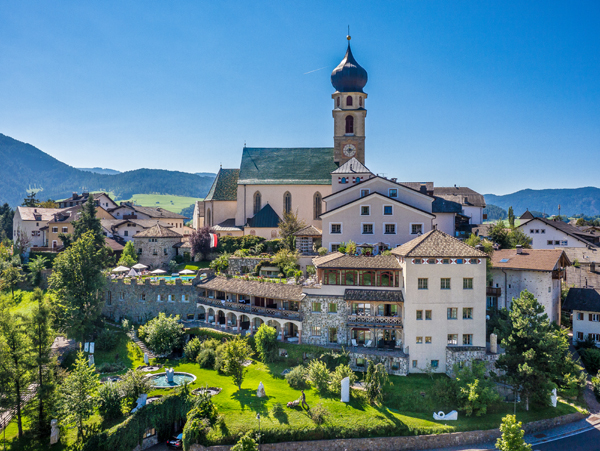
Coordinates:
(220,359)
(221,263)
(277,409)
(134,384)
(591,360)
(335,358)
(206,358)
(296,378)
(266,343)
(311,270)
(162,334)
(246,443)
(108,367)
(318,413)
(319,375)
(106,340)
(375,379)
(322,251)
(596,385)
(109,404)
(341,371)
(192,349)
(211,343)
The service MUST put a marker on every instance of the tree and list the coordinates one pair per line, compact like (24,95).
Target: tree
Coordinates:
(511,217)
(41,336)
(10,278)
(109,402)
(266,343)
(77,281)
(341,371)
(36,266)
(518,237)
(200,241)
(286,261)
(499,235)
(235,354)
(6,222)
(78,395)
(474,391)
(89,223)
(288,225)
(162,334)
(534,350)
(129,257)
(319,375)
(15,360)
(375,380)
(245,443)
(512,435)
(30,200)
(133,384)
(48,204)
(221,263)
(21,242)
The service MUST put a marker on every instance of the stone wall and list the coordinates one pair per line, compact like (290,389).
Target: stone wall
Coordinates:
(324,320)
(156,254)
(463,354)
(394,364)
(405,443)
(243,265)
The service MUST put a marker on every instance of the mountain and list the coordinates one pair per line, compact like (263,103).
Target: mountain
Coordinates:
(206,174)
(572,201)
(100,170)
(25,167)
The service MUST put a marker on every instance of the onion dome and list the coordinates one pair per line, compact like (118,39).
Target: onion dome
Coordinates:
(349,76)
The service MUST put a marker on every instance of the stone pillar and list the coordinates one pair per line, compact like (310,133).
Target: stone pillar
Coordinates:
(239,325)
(299,336)
(493,343)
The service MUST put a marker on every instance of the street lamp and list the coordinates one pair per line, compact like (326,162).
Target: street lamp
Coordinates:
(258,418)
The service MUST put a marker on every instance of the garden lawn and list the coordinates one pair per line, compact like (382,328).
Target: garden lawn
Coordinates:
(402,414)
(166,201)
(192,266)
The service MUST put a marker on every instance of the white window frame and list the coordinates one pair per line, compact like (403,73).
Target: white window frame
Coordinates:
(65,230)
(332,244)
(54,229)
(361,210)
(416,223)
(395,228)
(390,193)
(341,224)
(362,228)
(383,209)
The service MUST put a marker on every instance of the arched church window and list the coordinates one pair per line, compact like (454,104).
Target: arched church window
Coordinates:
(349,124)
(349,101)
(287,202)
(338,101)
(208,218)
(360,101)
(318,202)
(257,202)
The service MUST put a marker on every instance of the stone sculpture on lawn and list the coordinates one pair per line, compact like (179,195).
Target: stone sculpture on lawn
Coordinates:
(91,357)
(554,398)
(346,389)
(453,415)
(261,391)
(55,432)
(170,373)
(146,360)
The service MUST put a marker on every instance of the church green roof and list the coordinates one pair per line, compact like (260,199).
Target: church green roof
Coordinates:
(291,166)
(225,185)
(266,217)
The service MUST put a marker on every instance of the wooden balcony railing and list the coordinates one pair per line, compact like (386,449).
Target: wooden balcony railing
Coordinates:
(251,309)
(493,291)
(374,320)
(558,274)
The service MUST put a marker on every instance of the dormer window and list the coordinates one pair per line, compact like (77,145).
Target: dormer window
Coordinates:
(393,192)
(349,101)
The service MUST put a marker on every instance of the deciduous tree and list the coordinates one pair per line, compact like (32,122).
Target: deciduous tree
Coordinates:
(200,241)
(288,225)
(36,266)
(512,435)
(10,278)
(235,354)
(162,334)
(375,381)
(266,343)
(129,256)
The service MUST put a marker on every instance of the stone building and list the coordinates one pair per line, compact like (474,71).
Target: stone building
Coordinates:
(156,246)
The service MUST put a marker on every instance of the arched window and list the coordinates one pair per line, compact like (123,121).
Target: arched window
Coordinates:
(343,180)
(257,202)
(349,124)
(360,101)
(287,202)
(338,101)
(357,180)
(317,203)
(208,218)
(349,101)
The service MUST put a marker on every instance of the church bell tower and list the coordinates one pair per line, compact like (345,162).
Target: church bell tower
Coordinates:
(349,111)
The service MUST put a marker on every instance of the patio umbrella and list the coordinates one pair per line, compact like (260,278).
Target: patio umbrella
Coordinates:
(158,271)
(139,266)
(133,273)
(358,245)
(121,269)
(186,271)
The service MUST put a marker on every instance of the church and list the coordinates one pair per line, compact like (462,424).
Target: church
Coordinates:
(325,185)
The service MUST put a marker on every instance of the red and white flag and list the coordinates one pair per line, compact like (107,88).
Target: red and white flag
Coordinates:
(213,240)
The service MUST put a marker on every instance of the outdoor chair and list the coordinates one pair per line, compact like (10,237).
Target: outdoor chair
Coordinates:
(354,343)
(368,344)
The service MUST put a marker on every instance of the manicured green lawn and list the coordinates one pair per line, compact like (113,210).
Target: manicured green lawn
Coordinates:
(193,266)
(166,201)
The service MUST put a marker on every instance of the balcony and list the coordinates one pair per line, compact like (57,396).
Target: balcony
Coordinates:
(492,291)
(250,309)
(367,320)
(558,274)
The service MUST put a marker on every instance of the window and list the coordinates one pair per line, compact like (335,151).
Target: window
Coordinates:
(474,261)
(65,230)
(445,284)
(367,229)
(316,307)
(388,210)
(185,298)
(389,229)
(452,339)
(556,243)
(315,331)
(467,313)
(54,229)
(416,229)
(257,202)
(445,261)
(393,192)
(594,317)
(364,192)
(365,210)
(467,339)
(422,284)
(415,363)
(452,313)
(564,243)
(531,231)
(580,336)
(351,278)
(419,340)
(435,363)
(332,307)
(158,298)
(338,101)
(318,205)
(143,297)
(126,233)
(428,315)
(537,230)
(140,251)
(549,242)
(109,298)
(595,337)
(333,335)
(580,316)
(419,314)
(543,230)
(417,261)
(360,101)
(427,340)
(165,251)
(336,228)
(335,247)
(467,283)
(349,125)
(169,298)
(287,202)
(349,101)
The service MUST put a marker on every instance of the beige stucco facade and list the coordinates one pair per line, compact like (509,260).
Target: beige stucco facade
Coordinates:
(217,211)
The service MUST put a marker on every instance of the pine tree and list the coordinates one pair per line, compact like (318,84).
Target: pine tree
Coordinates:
(10,278)
(375,380)
(88,222)
(512,435)
(288,225)
(511,217)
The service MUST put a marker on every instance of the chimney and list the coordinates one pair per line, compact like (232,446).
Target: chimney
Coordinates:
(479,247)
(423,188)
(519,249)
(395,179)
(75,196)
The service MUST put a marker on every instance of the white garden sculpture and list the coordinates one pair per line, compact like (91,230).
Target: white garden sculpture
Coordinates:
(446,416)
(554,398)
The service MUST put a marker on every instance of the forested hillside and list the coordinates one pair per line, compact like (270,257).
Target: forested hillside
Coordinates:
(25,167)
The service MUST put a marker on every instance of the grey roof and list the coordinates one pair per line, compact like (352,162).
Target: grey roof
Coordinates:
(227,226)
(583,299)
(281,166)
(527,215)
(375,193)
(373,295)
(251,288)
(417,186)
(349,76)
(352,166)
(157,231)
(437,244)
(339,260)
(266,217)
(158,212)
(224,186)
(37,214)
(460,194)
(309,231)
(375,177)
(441,205)
(566,228)
(144,223)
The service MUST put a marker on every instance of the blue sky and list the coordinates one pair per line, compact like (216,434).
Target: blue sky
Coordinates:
(498,96)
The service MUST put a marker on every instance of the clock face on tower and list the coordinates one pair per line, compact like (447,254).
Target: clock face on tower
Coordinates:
(349,150)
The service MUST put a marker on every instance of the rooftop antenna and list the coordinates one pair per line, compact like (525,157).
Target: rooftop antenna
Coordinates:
(244,143)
